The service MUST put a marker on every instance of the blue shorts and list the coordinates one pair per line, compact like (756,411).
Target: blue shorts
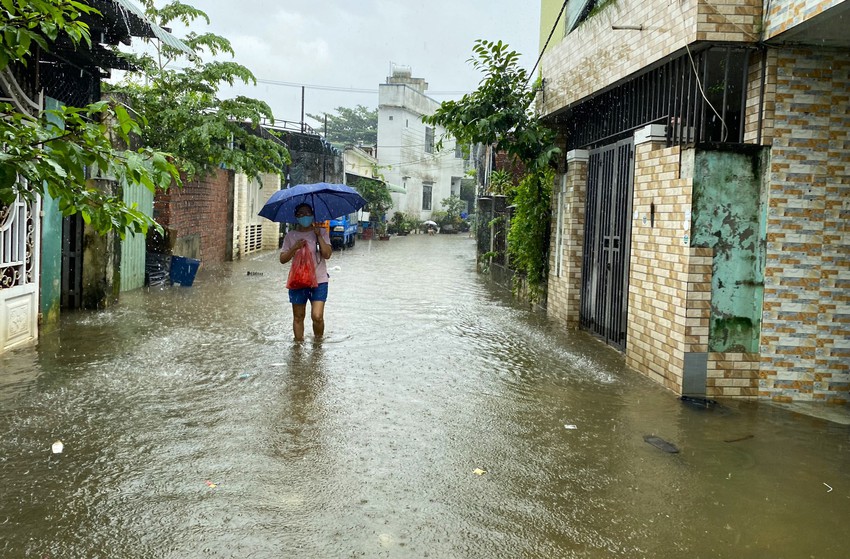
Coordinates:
(301,296)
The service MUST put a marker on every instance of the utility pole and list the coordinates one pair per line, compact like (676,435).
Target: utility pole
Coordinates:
(325,153)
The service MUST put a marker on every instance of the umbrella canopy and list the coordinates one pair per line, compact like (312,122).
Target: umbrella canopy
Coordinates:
(429,222)
(329,201)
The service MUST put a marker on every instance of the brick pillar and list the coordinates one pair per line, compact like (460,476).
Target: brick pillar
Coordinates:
(659,264)
(566,244)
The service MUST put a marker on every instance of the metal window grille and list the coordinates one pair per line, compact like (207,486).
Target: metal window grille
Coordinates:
(700,96)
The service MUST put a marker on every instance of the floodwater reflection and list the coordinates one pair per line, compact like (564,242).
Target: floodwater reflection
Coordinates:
(194,427)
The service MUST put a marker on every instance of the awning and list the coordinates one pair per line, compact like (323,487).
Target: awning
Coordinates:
(396,188)
(129,7)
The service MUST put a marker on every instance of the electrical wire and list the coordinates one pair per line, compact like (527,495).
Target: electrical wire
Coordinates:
(724,128)
(546,44)
(343,89)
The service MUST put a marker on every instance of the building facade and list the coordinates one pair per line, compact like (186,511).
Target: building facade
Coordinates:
(700,216)
(50,262)
(407,148)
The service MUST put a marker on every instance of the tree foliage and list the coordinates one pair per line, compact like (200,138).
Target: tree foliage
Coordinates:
(56,152)
(377,196)
(528,237)
(185,114)
(357,126)
(39,23)
(499,113)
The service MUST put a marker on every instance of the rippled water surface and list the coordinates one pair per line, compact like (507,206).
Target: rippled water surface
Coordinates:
(194,428)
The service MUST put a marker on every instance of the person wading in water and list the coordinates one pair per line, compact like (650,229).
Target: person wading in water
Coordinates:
(308,232)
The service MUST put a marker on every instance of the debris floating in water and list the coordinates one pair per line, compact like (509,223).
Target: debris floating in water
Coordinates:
(243,376)
(738,439)
(479,471)
(830,487)
(58,447)
(570,426)
(661,444)
(211,485)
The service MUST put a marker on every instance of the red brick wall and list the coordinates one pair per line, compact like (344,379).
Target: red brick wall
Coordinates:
(508,163)
(196,217)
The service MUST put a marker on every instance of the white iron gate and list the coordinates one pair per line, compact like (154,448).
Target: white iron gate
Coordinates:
(19,251)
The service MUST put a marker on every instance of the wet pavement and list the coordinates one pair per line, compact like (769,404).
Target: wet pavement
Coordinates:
(437,419)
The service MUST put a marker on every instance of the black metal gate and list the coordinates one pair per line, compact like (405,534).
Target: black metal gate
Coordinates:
(605,266)
(72,262)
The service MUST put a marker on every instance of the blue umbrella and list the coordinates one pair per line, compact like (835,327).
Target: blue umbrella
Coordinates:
(329,201)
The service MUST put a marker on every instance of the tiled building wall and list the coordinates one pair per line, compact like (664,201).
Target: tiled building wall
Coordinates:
(733,375)
(564,290)
(728,375)
(805,344)
(659,268)
(760,95)
(200,208)
(595,56)
(784,14)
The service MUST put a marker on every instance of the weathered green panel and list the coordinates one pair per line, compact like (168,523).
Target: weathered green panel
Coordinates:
(50,297)
(729,216)
(133,246)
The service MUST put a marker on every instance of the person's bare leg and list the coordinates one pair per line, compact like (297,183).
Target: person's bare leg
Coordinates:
(298,314)
(317,315)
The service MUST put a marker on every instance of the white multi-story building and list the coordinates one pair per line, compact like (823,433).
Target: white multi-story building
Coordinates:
(407,152)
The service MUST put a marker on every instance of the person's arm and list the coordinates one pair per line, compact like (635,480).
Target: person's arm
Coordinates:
(289,249)
(325,248)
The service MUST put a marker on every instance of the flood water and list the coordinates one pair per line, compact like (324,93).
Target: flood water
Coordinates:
(193,427)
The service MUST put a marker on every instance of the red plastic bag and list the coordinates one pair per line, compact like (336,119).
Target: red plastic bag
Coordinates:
(302,273)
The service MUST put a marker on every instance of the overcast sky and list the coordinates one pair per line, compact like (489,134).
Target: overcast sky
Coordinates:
(350,45)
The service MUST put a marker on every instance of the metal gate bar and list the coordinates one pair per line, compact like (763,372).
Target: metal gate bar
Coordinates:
(605,262)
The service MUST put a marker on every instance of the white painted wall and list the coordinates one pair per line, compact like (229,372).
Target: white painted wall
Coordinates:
(251,232)
(402,157)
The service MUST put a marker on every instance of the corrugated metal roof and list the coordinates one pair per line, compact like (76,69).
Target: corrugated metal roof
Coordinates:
(167,38)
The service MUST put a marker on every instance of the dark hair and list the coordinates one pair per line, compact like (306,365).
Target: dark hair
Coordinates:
(303,205)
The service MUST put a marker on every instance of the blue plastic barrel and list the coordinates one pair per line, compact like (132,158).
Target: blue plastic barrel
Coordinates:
(183,270)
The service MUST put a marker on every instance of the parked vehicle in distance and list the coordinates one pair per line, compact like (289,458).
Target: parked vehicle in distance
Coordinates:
(343,231)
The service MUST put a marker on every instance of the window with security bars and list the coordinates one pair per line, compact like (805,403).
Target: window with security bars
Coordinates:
(427,187)
(429,139)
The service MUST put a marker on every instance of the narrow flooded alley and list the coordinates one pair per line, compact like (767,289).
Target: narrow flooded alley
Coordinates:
(439,418)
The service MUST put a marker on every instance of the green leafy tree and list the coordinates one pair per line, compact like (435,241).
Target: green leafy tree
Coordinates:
(453,206)
(357,126)
(499,113)
(57,151)
(528,237)
(377,196)
(185,114)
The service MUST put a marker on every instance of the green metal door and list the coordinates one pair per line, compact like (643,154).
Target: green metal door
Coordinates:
(133,246)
